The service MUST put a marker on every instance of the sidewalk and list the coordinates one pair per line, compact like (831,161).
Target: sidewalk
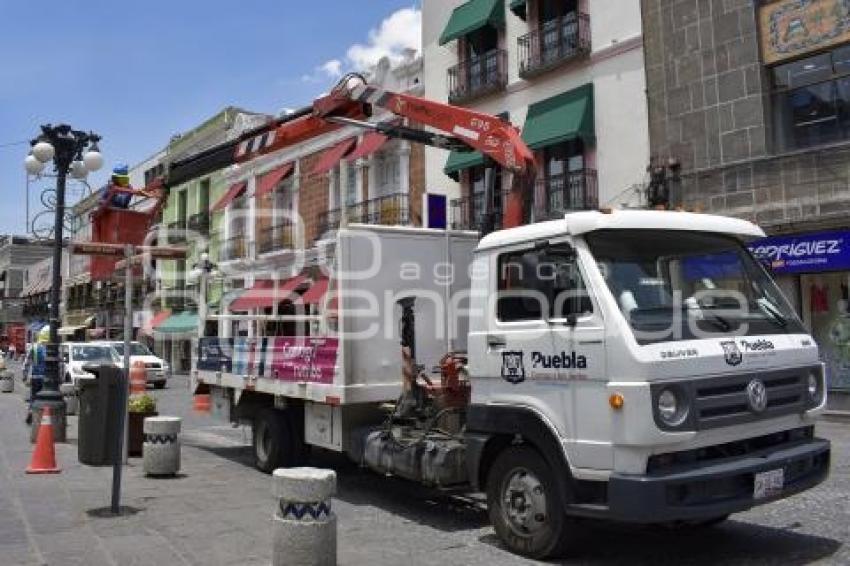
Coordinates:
(217,512)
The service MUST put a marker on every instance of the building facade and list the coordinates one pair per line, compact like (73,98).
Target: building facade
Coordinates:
(186,220)
(569,73)
(277,206)
(751,100)
(17,255)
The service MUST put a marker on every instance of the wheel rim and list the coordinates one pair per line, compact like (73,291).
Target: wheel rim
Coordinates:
(524,502)
(264,443)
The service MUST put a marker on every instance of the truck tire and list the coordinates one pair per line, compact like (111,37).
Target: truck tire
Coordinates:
(525,505)
(275,441)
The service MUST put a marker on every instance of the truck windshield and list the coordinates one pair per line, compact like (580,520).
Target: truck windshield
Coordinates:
(689,285)
(136,349)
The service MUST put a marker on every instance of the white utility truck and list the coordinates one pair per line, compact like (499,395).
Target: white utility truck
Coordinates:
(639,366)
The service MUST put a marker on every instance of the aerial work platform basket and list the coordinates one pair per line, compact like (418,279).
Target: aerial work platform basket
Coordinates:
(113,222)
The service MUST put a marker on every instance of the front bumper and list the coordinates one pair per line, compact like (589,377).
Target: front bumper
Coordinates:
(156,376)
(716,489)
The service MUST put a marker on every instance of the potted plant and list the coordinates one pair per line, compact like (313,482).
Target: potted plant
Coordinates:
(140,407)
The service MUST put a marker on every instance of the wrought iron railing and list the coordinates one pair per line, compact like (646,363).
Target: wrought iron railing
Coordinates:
(478,76)
(277,237)
(558,194)
(470,213)
(176,231)
(554,42)
(389,210)
(200,222)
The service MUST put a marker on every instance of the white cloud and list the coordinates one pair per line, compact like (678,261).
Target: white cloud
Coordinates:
(332,68)
(400,31)
(397,33)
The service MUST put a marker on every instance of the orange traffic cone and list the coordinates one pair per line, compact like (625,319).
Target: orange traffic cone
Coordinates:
(138,381)
(201,403)
(44,456)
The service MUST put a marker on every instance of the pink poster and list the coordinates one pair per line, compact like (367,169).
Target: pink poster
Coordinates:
(303,359)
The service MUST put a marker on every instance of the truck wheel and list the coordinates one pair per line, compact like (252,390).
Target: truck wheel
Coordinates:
(525,505)
(275,443)
(159,385)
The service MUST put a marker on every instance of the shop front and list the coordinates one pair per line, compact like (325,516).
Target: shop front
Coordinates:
(813,270)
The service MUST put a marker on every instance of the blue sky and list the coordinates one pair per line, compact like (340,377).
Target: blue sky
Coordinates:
(137,72)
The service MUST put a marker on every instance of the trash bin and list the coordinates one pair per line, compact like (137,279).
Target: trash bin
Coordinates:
(100,403)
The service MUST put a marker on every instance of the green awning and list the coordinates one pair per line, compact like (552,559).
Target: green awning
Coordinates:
(561,118)
(181,323)
(518,7)
(473,15)
(460,160)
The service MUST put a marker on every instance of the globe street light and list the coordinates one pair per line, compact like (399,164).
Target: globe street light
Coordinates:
(76,153)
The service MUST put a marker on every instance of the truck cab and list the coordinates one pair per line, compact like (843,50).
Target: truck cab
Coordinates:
(640,366)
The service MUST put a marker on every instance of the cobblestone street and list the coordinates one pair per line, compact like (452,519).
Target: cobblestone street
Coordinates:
(218,511)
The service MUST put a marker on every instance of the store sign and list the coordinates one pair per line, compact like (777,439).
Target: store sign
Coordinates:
(805,253)
(790,28)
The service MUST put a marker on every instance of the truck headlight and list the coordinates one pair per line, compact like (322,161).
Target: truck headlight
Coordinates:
(672,407)
(813,388)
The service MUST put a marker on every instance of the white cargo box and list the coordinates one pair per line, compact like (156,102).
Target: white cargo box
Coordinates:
(355,357)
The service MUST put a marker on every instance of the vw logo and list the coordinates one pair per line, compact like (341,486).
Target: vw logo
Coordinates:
(757,395)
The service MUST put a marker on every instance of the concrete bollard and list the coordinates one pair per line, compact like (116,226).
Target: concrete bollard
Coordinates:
(304,524)
(7,381)
(69,393)
(161,450)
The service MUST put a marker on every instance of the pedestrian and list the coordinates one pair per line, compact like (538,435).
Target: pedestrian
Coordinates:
(12,351)
(37,366)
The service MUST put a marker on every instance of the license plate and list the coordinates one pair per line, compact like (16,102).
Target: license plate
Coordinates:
(768,484)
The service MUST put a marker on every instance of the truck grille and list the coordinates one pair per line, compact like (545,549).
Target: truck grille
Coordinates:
(153,365)
(723,401)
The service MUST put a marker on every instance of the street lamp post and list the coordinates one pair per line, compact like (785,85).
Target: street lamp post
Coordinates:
(74,153)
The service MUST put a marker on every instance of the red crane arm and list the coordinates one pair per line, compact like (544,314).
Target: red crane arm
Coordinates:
(465,129)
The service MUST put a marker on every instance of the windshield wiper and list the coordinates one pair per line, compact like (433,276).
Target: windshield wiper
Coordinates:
(772,311)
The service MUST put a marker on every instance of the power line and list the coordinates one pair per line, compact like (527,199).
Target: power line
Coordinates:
(10,144)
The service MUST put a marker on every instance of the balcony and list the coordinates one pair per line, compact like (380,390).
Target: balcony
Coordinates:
(275,238)
(176,232)
(555,42)
(559,194)
(468,213)
(200,223)
(235,247)
(392,210)
(478,76)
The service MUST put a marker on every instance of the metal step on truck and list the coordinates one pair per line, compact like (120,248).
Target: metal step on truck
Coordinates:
(637,366)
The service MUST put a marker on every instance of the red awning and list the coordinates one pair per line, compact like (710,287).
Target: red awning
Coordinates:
(332,156)
(264,295)
(316,292)
(155,321)
(269,181)
(370,143)
(234,192)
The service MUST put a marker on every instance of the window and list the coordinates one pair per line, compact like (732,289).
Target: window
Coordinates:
(478,196)
(351,173)
(812,100)
(479,52)
(389,177)
(531,282)
(563,186)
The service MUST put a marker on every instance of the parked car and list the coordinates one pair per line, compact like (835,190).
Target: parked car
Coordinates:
(76,355)
(157,370)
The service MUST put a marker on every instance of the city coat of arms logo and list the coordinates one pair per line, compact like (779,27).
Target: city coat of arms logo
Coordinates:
(732,353)
(513,370)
